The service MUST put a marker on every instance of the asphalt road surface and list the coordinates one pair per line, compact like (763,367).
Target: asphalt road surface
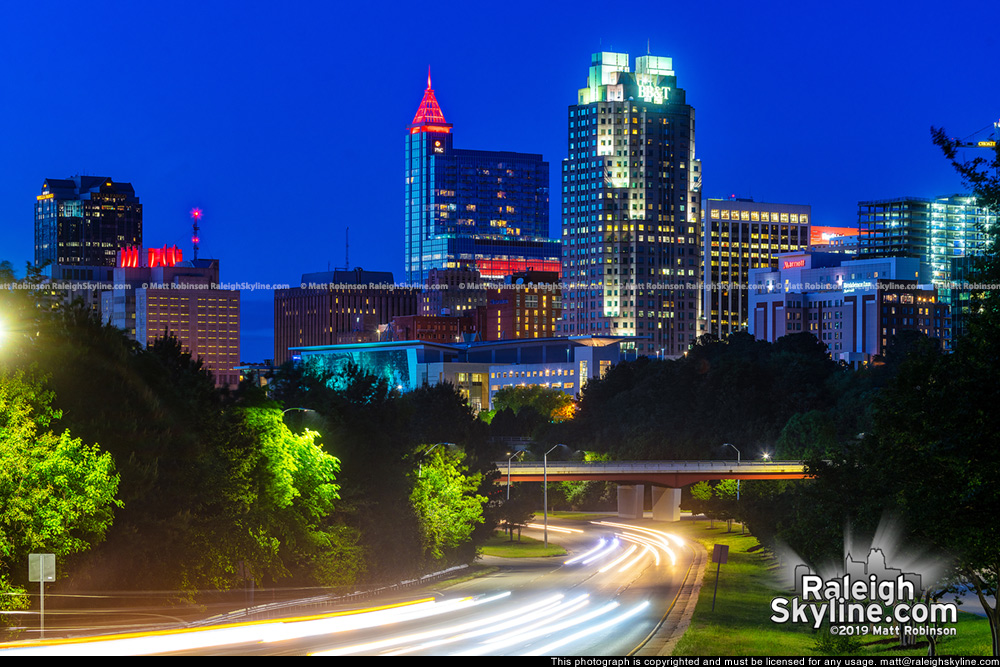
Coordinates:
(604,598)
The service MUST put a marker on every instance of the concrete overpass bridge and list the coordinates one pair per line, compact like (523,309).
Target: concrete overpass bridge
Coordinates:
(666,478)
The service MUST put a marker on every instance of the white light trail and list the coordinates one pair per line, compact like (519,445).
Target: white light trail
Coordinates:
(551,648)
(628,552)
(546,629)
(600,545)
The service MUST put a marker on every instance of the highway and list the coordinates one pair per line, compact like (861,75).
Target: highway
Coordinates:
(603,598)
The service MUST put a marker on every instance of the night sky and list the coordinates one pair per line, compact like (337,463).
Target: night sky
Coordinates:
(285,122)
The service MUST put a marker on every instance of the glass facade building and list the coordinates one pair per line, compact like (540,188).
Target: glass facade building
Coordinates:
(631,208)
(935,231)
(482,210)
(82,222)
(944,233)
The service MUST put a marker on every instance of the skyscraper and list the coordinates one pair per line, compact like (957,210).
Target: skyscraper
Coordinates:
(81,223)
(487,210)
(739,235)
(944,233)
(631,208)
(341,306)
(158,294)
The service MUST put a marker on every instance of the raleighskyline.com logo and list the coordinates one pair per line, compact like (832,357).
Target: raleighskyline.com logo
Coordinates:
(869,598)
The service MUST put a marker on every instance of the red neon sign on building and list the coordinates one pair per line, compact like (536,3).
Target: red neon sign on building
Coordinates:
(793,264)
(130,257)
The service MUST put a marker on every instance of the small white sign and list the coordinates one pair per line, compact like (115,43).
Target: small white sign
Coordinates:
(41,567)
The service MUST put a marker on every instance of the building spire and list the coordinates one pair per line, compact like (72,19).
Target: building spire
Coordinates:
(429,117)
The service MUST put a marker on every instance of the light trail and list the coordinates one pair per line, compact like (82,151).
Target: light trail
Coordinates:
(526,612)
(547,629)
(600,545)
(547,614)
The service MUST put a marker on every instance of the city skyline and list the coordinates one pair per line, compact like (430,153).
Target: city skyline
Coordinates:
(255,117)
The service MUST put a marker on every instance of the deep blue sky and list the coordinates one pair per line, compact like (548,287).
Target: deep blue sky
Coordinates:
(285,122)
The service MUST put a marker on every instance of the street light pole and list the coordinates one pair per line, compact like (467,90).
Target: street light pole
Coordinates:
(420,465)
(545,491)
(516,454)
(726,444)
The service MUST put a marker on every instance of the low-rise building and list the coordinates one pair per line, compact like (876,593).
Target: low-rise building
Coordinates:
(478,370)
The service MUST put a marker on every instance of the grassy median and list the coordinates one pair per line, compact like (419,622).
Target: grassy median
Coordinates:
(500,545)
(741,625)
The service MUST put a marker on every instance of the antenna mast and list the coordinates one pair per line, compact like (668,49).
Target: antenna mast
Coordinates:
(196,217)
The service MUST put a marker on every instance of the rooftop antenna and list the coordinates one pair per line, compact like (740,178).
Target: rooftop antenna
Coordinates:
(196,218)
(647,46)
(347,233)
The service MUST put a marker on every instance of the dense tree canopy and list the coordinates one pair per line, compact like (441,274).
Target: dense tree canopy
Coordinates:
(57,494)
(650,409)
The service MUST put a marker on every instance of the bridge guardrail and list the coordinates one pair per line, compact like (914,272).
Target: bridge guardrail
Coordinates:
(657,466)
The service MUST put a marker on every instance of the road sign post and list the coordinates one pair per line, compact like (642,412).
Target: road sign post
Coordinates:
(41,568)
(720,555)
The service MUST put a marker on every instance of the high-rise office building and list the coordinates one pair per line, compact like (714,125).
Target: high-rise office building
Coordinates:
(527,305)
(341,306)
(486,210)
(81,223)
(935,231)
(739,235)
(944,233)
(631,208)
(158,294)
(453,292)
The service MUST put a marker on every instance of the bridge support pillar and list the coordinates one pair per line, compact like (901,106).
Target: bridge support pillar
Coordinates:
(630,501)
(666,504)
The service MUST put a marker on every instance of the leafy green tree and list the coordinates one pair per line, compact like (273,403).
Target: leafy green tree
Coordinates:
(269,507)
(446,504)
(680,400)
(551,404)
(590,495)
(519,509)
(805,434)
(701,494)
(723,504)
(57,494)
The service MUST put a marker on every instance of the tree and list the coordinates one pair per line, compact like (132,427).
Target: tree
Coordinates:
(701,494)
(724,504)
(808,433)
(519,509)
(57,494)
(446,505)
(269,507)
(543,400)
(973,447)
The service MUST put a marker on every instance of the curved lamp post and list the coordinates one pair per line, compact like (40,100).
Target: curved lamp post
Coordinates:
(420,465)
(726,444)
(545,490)
(515,455)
